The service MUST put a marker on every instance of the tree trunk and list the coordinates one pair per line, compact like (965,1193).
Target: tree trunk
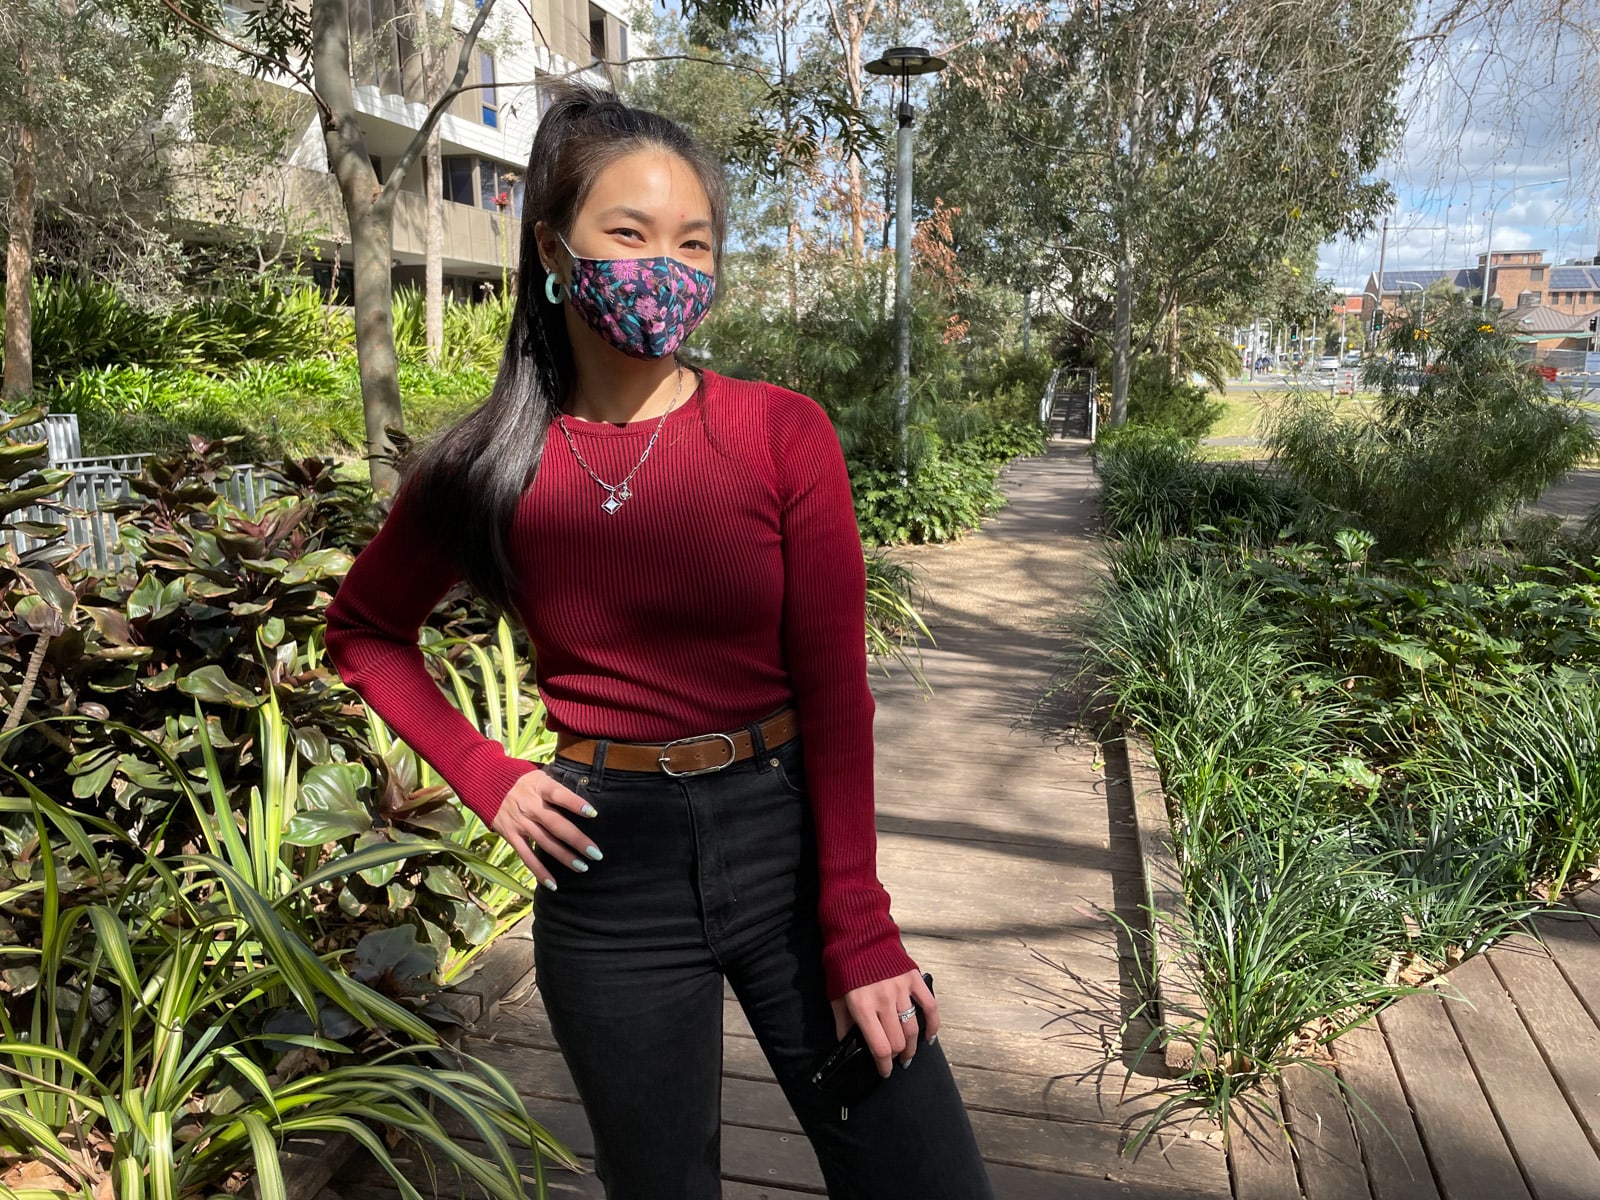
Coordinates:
(1122,336)
(370,214)
(431,56)
(370,237)
(433,245)
(18,379)
(19,266)
(1172,343)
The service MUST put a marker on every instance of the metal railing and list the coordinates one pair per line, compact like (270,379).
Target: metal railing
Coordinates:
(100,481)
(1068,406)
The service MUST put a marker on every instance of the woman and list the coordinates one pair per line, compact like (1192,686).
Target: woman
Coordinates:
(682,550)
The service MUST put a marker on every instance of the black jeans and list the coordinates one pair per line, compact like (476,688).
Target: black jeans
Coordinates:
(703,878)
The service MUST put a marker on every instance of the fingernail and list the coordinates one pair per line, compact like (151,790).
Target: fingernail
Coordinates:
(579,865)
(549,883)
(933,1039)
(593,852)
(588,811)
(904,1063)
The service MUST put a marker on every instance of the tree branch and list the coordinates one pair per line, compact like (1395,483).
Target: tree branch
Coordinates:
(419,140)
(265,59)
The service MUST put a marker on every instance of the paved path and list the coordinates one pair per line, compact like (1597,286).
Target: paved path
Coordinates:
(998,845)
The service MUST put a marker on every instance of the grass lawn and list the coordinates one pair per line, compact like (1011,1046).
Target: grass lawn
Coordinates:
(1244,408)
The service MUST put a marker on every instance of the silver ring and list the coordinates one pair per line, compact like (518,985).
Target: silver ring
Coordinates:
(907,1015)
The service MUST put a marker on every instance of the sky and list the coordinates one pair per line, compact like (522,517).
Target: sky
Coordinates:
(1488,116)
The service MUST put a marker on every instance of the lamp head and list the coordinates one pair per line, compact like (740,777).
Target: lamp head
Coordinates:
(905,61)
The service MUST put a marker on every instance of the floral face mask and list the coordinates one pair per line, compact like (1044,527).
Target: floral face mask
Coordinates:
(645,307)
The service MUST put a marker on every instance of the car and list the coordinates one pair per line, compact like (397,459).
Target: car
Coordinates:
(1328,363)
(1352,358)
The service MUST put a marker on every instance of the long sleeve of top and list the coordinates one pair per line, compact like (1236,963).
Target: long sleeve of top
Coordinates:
(395,582)
(731,583)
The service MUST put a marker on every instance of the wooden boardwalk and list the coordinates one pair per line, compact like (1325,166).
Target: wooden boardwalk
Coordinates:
(1489,1093)
(999,845)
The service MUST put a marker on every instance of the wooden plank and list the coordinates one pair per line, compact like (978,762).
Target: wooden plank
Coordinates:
(1574,944)
(1020,1183)
(1470,1158)
(1258,1152)
(1167,1159)
(1396,1165)
(1566,1034)
(1549,1144)
(1021,1139)
(1181,1009)
(1324,1143)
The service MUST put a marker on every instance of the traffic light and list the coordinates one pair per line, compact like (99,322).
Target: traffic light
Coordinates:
(1592,321)
(1378,319)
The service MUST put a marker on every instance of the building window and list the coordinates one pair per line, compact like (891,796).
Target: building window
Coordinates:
(491,104)
(492,185)
(483,183)
(1536,275)
(458,179)
(542,92)
(597,33)
(622,34)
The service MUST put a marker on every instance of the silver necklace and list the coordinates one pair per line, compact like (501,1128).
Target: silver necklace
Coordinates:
(617,494)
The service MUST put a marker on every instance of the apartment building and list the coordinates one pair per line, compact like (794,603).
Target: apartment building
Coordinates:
(1517,279)
(485,134)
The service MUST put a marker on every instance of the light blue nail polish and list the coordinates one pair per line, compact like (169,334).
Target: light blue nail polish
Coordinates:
(549,883)
(589,811)
(579,865)
(593,852)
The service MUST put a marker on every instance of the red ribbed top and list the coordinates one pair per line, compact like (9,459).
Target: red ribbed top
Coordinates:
(731,583)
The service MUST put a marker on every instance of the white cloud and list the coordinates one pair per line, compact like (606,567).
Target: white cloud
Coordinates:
(1486,116)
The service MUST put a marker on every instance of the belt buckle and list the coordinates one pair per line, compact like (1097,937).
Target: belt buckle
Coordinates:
(733,754)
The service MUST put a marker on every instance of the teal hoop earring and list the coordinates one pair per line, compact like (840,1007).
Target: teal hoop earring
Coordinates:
(552,286)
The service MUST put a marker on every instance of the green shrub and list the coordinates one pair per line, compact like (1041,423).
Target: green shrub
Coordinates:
(1157,400)
(474,334)
(947,493)
(1005,440)
(167,1025)
(1446,454)
(85,325)
(1153,479)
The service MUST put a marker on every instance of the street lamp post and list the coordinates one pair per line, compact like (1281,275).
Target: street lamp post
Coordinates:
(904,62)
(1488,249)
(1422,316)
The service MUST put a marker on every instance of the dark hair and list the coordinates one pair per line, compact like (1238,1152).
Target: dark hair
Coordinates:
(470,477)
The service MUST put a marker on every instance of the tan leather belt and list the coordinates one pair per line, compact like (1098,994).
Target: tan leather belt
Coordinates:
(684,756)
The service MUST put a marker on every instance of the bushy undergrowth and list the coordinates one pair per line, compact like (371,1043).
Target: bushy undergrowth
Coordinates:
(292,409)
(1153,482)
(1446,452)
(971,406)
(1375,766)
(82,325)
(1158,401)
(946,493)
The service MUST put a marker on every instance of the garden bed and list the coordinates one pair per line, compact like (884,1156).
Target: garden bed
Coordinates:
(308,1163)
(1376,716)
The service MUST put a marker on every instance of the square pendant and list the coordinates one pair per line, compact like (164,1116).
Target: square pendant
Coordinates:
(611,504)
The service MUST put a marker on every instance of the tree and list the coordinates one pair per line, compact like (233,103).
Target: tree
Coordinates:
(432,37)
(66,131)
(1197,143)
(309,41)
